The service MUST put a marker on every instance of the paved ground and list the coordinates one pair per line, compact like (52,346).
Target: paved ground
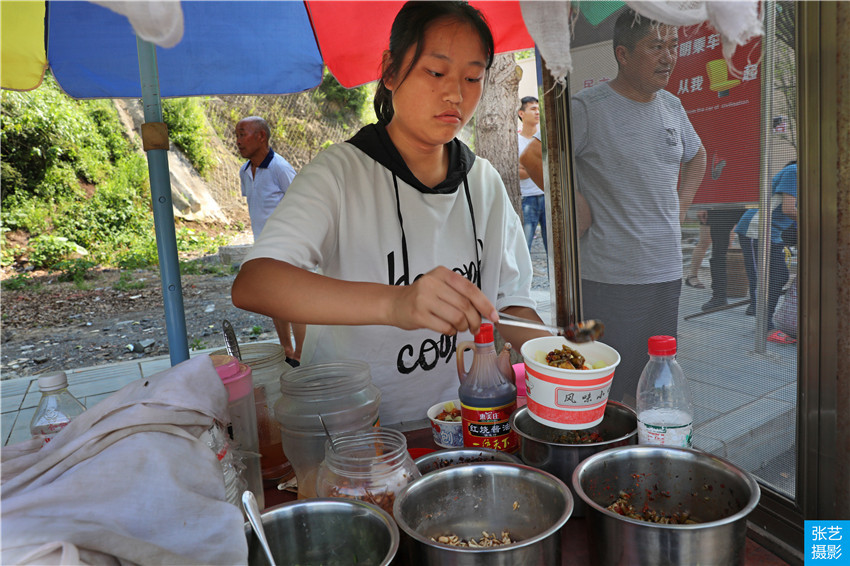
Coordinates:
(745,402)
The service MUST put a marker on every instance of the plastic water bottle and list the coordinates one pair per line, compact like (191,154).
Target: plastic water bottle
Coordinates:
(232,469)
(56,407)
(664,408)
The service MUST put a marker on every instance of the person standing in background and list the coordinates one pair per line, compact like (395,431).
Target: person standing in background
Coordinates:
(533,201)
(264,179)
(639,163)
(783,203)
(698,254)
(721,221)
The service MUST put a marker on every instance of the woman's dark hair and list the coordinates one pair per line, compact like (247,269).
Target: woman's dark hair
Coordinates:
(408,30)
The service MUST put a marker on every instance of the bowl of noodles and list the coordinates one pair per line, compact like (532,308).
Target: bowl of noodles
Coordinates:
(567,384)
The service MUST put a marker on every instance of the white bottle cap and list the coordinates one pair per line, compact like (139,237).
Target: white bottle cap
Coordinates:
(52,381)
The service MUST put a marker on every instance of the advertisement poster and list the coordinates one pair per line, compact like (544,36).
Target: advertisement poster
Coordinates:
(724,108)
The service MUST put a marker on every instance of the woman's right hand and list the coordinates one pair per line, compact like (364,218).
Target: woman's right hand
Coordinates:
(443,301)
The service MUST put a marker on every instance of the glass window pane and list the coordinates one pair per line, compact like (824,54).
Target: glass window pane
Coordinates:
(679,195)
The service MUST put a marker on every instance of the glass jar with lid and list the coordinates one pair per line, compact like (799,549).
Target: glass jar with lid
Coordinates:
(345,397)
(371,466)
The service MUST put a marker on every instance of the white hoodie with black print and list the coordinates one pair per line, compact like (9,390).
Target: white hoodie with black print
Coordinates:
(357,213)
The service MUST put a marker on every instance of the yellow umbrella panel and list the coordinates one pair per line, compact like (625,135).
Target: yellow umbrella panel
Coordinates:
(23,58)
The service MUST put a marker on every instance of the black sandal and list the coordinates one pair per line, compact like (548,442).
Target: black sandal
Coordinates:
(697,285)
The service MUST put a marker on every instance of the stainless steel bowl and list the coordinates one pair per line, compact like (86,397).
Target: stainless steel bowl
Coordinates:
(539,445)
(714,492)
(530,504)
(329,532)
(454,456)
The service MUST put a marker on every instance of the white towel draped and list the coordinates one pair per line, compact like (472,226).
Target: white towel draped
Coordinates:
(126,482)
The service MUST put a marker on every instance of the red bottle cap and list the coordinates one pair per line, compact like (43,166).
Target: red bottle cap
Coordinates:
(485,334)
(662,346)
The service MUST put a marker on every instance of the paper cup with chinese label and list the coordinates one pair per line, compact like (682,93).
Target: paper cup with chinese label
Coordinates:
(448,434)
(564,398)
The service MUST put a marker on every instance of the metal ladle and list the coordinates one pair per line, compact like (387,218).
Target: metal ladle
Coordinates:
(249,503)
(230,341)
(328,434)
(579,332)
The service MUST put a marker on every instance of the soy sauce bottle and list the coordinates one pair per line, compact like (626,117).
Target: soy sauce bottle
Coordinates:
(487,394)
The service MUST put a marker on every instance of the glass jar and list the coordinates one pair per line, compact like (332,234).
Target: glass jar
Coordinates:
(342,392)
(371,466)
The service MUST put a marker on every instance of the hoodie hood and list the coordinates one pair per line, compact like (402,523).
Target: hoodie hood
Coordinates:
(374,141)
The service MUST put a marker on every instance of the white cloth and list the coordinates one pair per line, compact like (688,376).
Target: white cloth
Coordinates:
(527,187)
(126,482)
(157,21)
(265,188)
(736,22)
(340,216)
(548,23)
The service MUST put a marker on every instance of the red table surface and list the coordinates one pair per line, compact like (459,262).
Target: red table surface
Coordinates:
(575,550)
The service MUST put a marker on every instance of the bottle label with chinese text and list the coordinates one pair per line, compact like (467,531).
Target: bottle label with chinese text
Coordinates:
(489,427)
(665,428)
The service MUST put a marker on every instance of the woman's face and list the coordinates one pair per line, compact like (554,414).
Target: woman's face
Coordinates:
(440,93)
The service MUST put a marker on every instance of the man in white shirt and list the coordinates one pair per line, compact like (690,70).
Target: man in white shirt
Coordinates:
(533,202)
(264,179)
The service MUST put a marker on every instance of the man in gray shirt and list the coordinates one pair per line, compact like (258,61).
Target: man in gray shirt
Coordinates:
(639,164)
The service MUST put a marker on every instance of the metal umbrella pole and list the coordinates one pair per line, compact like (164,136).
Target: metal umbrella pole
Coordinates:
(155,140)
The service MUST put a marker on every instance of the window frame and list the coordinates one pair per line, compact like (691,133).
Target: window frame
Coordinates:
(777,523)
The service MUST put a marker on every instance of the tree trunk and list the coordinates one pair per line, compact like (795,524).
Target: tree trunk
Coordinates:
(496,124)
(496,136)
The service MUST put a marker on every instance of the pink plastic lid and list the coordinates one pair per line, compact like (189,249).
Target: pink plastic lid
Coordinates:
(662,346)
(485,334)
(519,370)
(235,376)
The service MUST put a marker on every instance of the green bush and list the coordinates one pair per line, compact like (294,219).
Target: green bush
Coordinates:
(7,255)
(16,283)
(45,129)
(125,283)
(24,212)
(137,254)
(48,250)
(343,103)
(189,240)
(74,269)
(187,129)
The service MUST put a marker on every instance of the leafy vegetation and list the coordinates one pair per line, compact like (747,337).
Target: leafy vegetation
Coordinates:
(71,180)
(187,129)
(126,283)
(74,188)
(345,102)
(79,188)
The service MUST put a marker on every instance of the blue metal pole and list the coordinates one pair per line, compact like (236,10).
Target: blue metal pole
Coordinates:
(163,213)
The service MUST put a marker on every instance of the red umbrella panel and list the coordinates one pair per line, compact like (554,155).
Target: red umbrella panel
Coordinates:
(353,35)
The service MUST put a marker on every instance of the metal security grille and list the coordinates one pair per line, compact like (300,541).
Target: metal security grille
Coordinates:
(302,125)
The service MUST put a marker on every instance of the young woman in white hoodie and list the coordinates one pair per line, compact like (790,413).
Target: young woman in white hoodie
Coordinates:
(395,245)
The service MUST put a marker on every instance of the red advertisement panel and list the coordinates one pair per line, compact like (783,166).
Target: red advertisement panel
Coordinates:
(724,108)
